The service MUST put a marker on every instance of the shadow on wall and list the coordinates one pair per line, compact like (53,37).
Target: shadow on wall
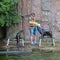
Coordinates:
(2,32)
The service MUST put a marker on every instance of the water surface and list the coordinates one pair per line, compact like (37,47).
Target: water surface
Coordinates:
(33,56)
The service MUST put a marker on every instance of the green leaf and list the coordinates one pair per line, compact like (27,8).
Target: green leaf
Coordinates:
(16,1)
(2,20)
(8,16)
(1,3)
(6,1)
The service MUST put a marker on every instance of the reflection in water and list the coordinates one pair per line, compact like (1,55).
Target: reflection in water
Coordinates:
(33,56)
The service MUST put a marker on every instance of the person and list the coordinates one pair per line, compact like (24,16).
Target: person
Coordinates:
(33,29)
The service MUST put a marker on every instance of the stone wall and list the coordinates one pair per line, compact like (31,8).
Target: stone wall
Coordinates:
(47,11)
(36,8)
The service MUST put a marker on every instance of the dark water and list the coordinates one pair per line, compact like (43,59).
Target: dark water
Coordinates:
(33,56)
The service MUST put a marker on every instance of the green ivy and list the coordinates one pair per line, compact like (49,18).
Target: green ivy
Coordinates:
(8,16)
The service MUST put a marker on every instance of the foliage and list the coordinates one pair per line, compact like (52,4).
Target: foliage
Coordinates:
(8,15)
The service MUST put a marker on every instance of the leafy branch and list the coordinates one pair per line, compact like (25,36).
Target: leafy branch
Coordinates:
(8,15)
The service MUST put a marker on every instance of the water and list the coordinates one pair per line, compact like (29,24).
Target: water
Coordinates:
(33,56)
